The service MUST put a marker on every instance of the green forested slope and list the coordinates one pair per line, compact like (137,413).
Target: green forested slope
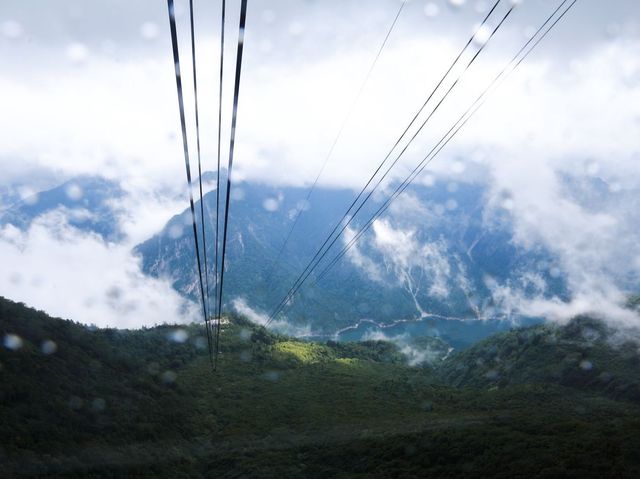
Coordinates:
(110,403)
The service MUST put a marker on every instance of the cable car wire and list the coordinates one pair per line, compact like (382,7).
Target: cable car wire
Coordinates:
(234,118)
(185,147)
(458,125)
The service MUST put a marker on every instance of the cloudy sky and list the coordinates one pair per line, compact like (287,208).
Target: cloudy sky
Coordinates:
(88,88)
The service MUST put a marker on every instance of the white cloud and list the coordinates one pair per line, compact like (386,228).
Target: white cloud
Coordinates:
(242,307)
(79,276)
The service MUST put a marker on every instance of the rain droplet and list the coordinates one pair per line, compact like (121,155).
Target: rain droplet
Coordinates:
(428,180)
(452,187)
(75,403)
(149,31)
(237,194)
(615,187)
(153,368)
(272,376)
(201,343)
(268,16)
(431,10)
(296,29)
(169,377)
(77,53)
(28,195)
(74,192)
(458,167)
(12,29)
(457,3)
(586,365)
(270,204)
(12,342)
(482,35)
(529,31)
(592,168)
(451,204)
(265,46)
(178,336)
(507,204)
(481,6)
(98,404)
(175,231)
(48,347)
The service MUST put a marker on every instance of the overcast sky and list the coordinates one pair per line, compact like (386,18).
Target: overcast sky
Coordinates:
(88,88)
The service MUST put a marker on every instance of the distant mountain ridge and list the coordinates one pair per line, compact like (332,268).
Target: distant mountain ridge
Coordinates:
(457,250)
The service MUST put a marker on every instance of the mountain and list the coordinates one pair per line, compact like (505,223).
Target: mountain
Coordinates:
(88,203)
(81,402)
(433,260)
(584,354)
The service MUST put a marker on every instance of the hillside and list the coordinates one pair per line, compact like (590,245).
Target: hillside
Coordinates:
(82,402)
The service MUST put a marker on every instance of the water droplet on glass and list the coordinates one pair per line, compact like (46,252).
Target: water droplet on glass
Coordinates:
(149,31)
(28,195)
(507,204)
(77,53)
(615,187)
(12,342)
(451,204)
(452,187)
(268,16)
(74,192)
(482,35)
(168,377)
(48,347)
(458,167)
(271,204)
(529,31)
(75,403)
(457,3)
(296,29)
(586,365)
(431,10)
(11,29)
(178,336)
(237,194)
(428,180)
(265,46)
(272,376)
(98,404)
(153,368)
(175,231)
(201,343)
(592,168)
(481,6)
(438,210)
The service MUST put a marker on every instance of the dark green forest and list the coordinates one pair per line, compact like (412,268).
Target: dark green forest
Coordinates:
(545,401)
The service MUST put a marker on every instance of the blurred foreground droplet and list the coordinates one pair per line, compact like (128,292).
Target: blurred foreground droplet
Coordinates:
(149,31)
(431,10)
(168,377)
(74,192)
(77,53)
(48,347)
(12,342)
(178,336)
(11,29)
